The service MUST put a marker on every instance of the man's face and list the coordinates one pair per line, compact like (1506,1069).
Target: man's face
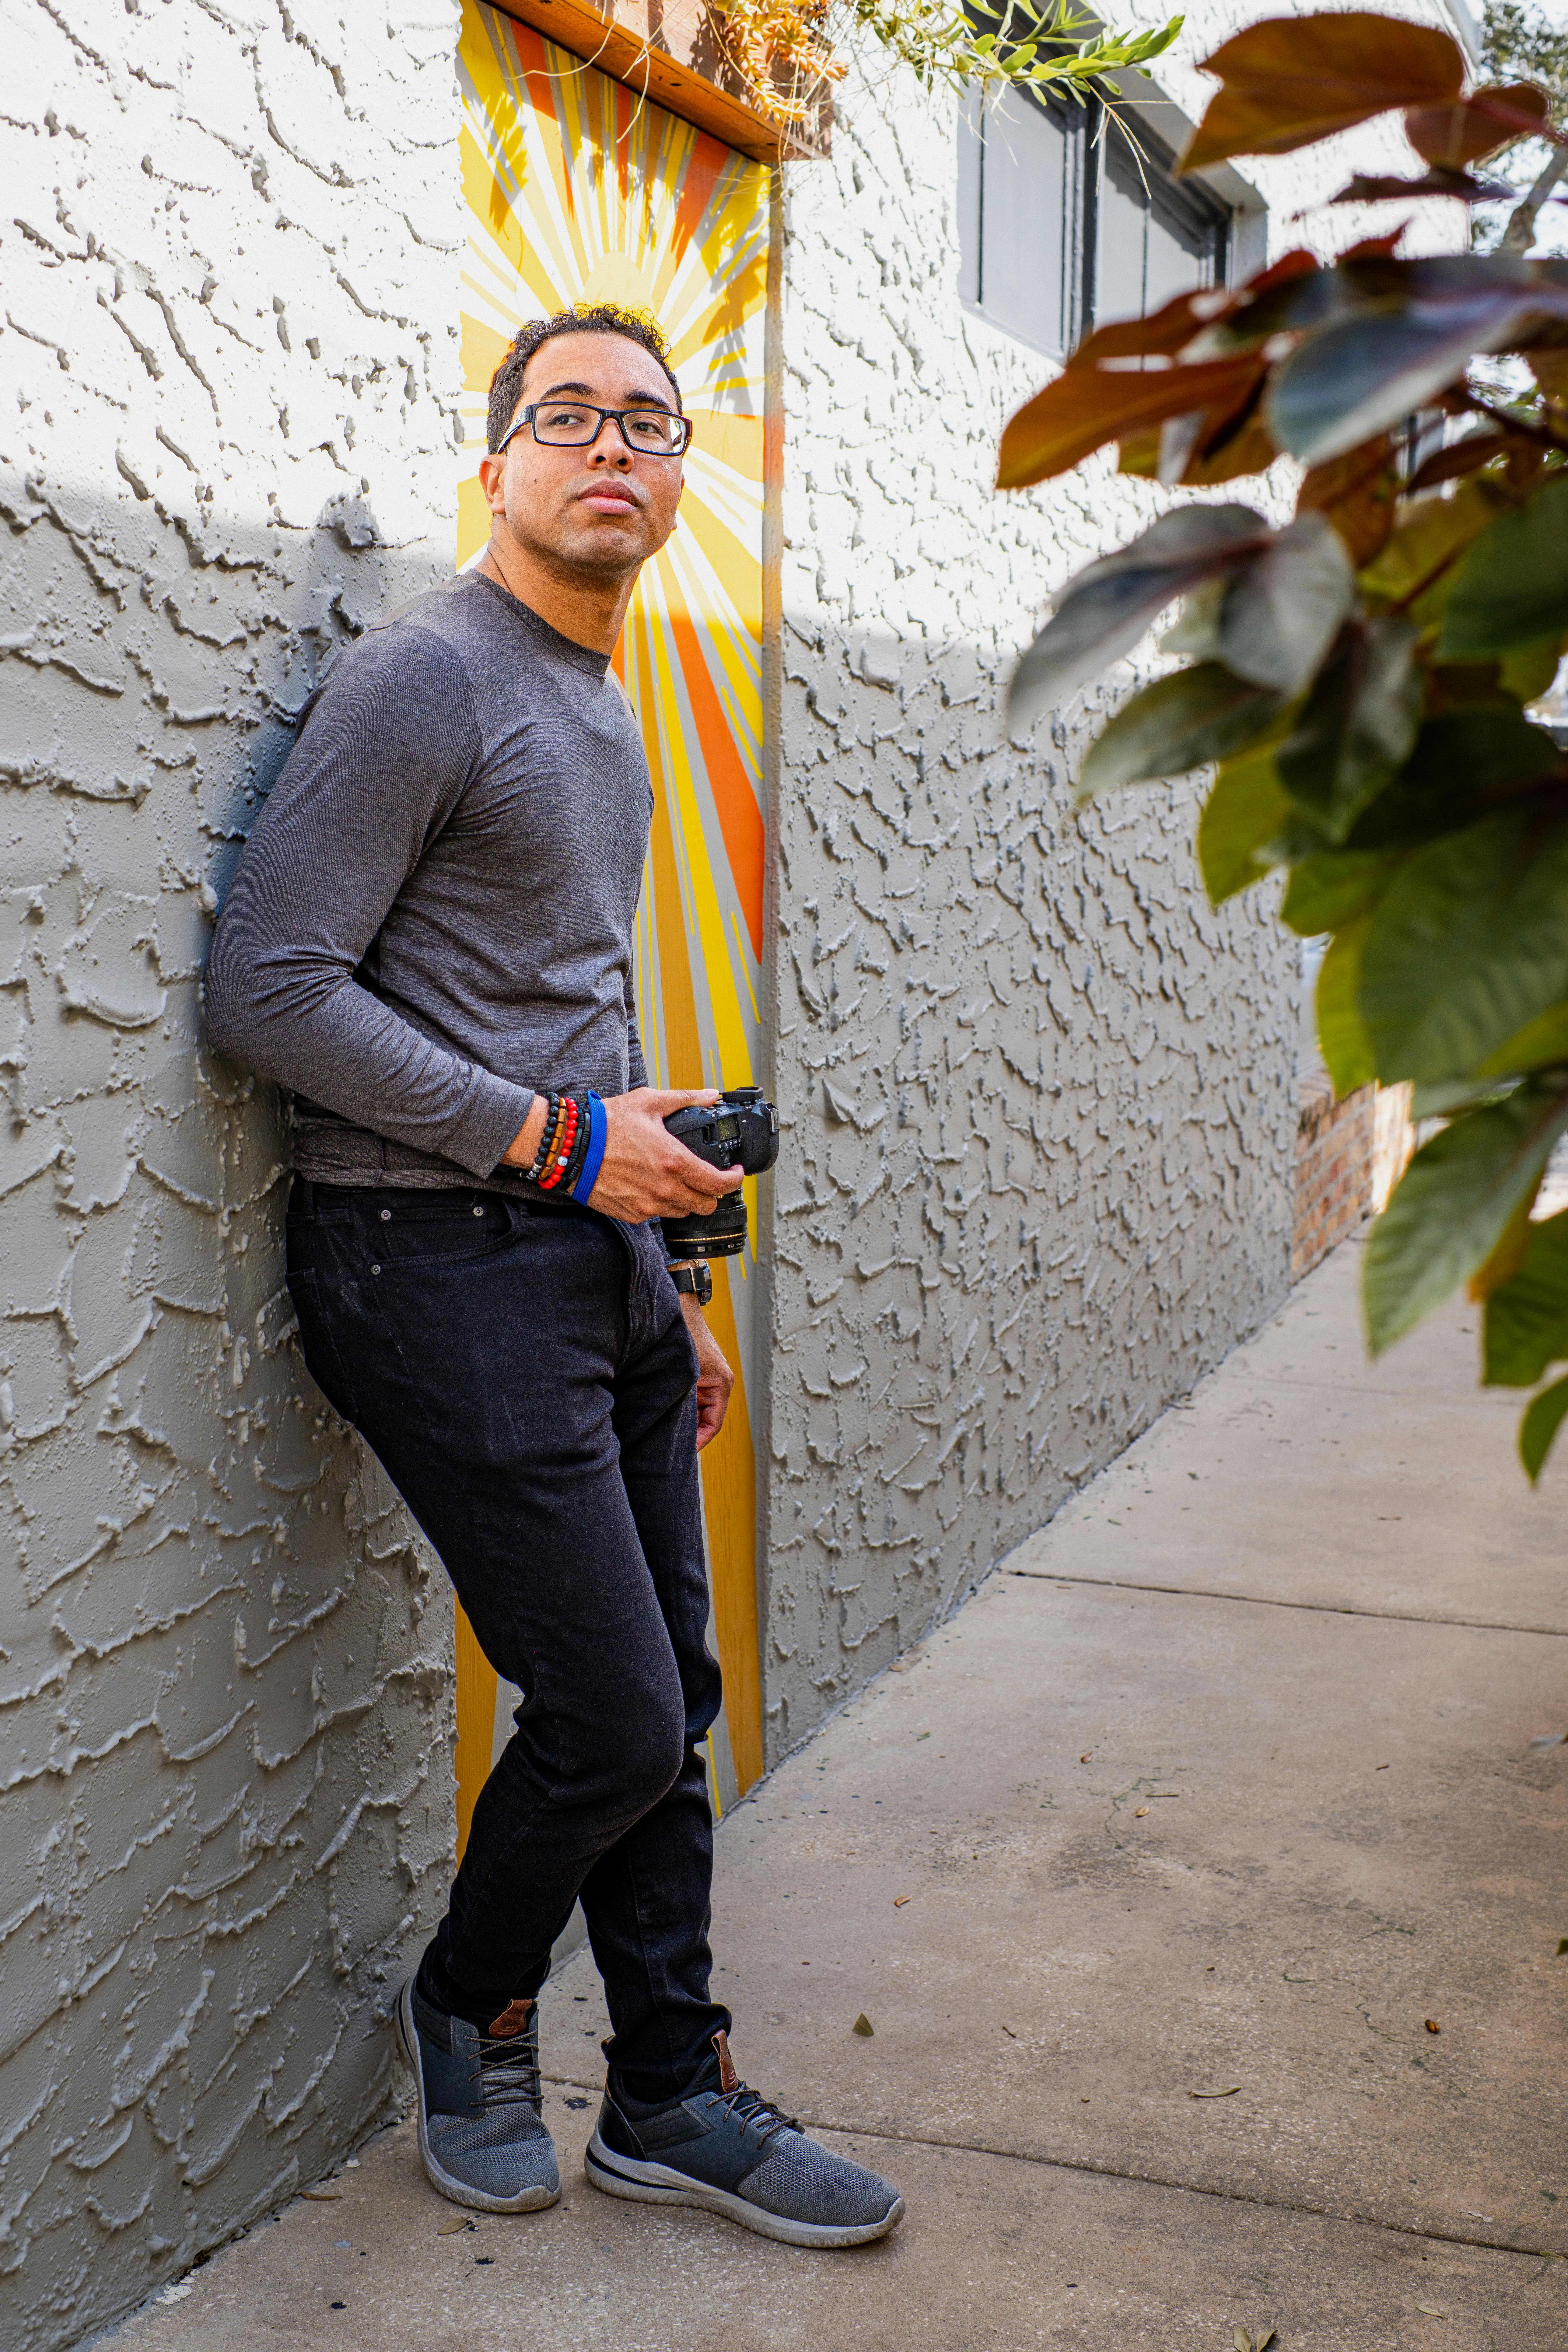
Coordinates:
(604,510)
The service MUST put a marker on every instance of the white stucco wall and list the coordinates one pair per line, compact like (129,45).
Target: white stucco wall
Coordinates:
(227,375)
(1038,1103)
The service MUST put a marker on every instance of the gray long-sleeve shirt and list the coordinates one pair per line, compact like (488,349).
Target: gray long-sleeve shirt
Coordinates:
(432,914)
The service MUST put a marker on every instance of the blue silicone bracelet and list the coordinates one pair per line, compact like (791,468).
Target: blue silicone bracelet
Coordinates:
(598,1128)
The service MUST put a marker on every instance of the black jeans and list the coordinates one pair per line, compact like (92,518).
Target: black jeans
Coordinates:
(525,1375)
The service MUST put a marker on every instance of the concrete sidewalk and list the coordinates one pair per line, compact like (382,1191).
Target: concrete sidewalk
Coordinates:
(1149,1870)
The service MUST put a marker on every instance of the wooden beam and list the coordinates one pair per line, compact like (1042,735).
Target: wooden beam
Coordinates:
(667,51)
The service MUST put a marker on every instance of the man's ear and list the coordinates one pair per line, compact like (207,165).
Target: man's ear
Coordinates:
(492,476)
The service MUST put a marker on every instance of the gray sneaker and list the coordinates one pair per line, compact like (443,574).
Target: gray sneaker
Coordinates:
(725,2148)
(482,2136)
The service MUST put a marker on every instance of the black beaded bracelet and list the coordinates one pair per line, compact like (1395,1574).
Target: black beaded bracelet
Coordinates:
(553,1113)
(580,1142)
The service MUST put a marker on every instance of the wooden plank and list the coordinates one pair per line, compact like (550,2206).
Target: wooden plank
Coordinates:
(667,51)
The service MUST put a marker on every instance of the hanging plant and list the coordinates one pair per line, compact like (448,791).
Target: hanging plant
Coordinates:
(787,51)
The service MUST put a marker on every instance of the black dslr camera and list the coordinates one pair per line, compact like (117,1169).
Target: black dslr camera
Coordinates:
(740,1131)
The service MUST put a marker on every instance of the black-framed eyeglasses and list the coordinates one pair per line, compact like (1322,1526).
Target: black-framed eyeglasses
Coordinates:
(577,425)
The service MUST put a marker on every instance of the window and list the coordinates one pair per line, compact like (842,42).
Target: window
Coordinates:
(1062,225)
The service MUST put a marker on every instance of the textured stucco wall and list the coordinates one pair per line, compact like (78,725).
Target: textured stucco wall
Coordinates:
(229,251)
(1039,1124)
(1039,1119)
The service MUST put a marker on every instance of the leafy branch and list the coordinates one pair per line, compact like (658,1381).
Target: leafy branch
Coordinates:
(1365,676)
(789,50)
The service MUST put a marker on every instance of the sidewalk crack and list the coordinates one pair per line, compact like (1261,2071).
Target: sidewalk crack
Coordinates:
(1268,1601)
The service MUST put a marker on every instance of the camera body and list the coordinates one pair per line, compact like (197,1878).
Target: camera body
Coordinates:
(740,1131)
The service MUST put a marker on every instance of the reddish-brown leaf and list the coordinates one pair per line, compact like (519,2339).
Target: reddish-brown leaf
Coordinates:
(1356,494)
(1477,125)
(1164,330)
(1171,328)
(1292,79)
(1087,407)
(1223,448)
(1381,188)
(1375,249)
(1224,455)
(1548,363)
(1462,457)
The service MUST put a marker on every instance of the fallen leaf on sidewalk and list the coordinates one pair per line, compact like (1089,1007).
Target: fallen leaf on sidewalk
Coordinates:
(1433,2026)
(450,2229)
(1228,2092)
(899,1901)
(1138,1812)
(322,2196)
(1432,2311)
(863,2025)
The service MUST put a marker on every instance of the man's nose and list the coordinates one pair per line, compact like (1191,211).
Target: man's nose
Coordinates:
(608,446)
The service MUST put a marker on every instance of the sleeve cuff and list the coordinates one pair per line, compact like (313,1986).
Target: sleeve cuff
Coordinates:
(493,1113)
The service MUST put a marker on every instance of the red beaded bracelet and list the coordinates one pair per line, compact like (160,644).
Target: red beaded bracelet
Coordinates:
(562,1150)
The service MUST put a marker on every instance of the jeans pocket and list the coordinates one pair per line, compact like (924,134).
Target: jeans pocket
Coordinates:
(323,1359)
(432,1237)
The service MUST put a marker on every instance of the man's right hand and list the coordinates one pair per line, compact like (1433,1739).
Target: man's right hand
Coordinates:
(645,1171)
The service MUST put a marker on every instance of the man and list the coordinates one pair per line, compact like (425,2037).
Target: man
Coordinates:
(428,938)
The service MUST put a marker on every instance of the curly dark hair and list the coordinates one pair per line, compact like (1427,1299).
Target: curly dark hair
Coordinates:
(591,319)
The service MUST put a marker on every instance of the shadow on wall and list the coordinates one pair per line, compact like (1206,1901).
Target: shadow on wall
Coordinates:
(226,1736)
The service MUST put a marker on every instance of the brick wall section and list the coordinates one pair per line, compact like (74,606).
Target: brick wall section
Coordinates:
(1349,1156)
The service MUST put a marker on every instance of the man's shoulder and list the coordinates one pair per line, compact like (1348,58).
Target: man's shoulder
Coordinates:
(409,656)
(436,625)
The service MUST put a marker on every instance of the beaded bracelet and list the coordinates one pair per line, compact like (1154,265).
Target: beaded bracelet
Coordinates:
(552,1123)
(563,1147)
(582,1150)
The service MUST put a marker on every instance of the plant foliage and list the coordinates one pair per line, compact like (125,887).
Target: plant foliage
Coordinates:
(1364,676)
(788,51)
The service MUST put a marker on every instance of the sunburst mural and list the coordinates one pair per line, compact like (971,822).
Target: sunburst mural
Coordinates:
(577,189)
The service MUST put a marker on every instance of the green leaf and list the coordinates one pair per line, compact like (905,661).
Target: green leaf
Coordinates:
(1282,612)
(1526,1316)
(1452,1206)
(1512,586)
(1178,723)
(1463,762)
(1333,889)
(1526,671)
(1244,811)
(1447,1100)
(1358,376)
(1469,943)
(1541,1045)
(1358,724)
(1341,1033)
(1418,563)
(1105,609)
(1543,1418)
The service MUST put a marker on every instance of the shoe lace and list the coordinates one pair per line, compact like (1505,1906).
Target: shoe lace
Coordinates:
(749,2106)
(509,2071)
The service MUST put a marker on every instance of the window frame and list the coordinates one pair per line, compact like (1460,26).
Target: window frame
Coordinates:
(1087,131)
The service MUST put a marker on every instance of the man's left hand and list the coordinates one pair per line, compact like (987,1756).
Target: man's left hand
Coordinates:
(714,1378)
